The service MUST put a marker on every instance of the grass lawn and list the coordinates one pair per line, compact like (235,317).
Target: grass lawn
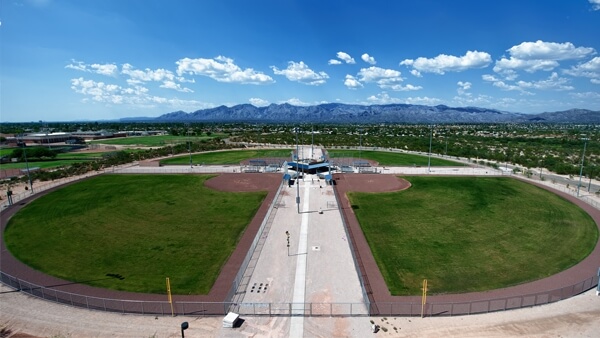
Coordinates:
(228,157)
(154,141)
(141,227)
(393,159)
(471,234)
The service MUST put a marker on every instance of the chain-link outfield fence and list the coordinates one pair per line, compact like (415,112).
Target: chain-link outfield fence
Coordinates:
(184,308)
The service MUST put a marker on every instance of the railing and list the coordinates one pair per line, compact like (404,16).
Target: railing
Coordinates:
(185,308)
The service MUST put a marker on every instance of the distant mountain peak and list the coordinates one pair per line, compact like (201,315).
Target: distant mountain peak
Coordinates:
(387,113)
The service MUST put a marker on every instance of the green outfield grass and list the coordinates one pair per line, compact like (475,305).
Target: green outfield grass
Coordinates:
(392,158)
(143,228)
(471,234)
(228,157)
(154,141)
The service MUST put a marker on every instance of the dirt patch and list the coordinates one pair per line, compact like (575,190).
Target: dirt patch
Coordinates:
(244,182)
(371,182)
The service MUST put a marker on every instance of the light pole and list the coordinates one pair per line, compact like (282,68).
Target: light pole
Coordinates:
(189,141)
(297,173)
(430,139)
(27,165)
(581,167)
(591,174)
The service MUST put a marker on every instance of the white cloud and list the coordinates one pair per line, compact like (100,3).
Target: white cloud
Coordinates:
(258,102)
(383,98)
(595,4)
(501,84)
(176,86)
(589,69)
(538,56)
(401,88)
(334,62)
(345,57)
(351,82)
(368,59)
(449,63)
(221,69)
(470,100)
(379,75)
(300,72)
(295,102)
(147,74)
(541,50)
(595,81)
(507,66)
(416,73)
(429,101)
(553,82)
(586,95)
(463,87)
(107,69)
(100,92)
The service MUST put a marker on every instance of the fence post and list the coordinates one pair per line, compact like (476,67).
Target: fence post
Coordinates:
(598,287)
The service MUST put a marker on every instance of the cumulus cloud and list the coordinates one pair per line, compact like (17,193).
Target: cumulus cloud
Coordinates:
(553,82)
(379,75)
(539,56)
(345,57)
(595,4)
(352,83)
(108,69)
(334,62)
(449,63)
(295,102)
(100,92)
(541,50)
(368,59)
(300,72)
(416,73)
(176,86)
(463,87)
(503,85)
(589,69)
(401,88)
(221,69)
(383,98)
(258,102)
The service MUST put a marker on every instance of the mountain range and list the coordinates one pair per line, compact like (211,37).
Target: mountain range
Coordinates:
(390,113)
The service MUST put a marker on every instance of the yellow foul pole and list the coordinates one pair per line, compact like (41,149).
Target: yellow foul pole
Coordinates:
(424,298)
(169,296)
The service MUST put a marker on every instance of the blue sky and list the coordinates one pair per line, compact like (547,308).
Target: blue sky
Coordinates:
(94,60)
